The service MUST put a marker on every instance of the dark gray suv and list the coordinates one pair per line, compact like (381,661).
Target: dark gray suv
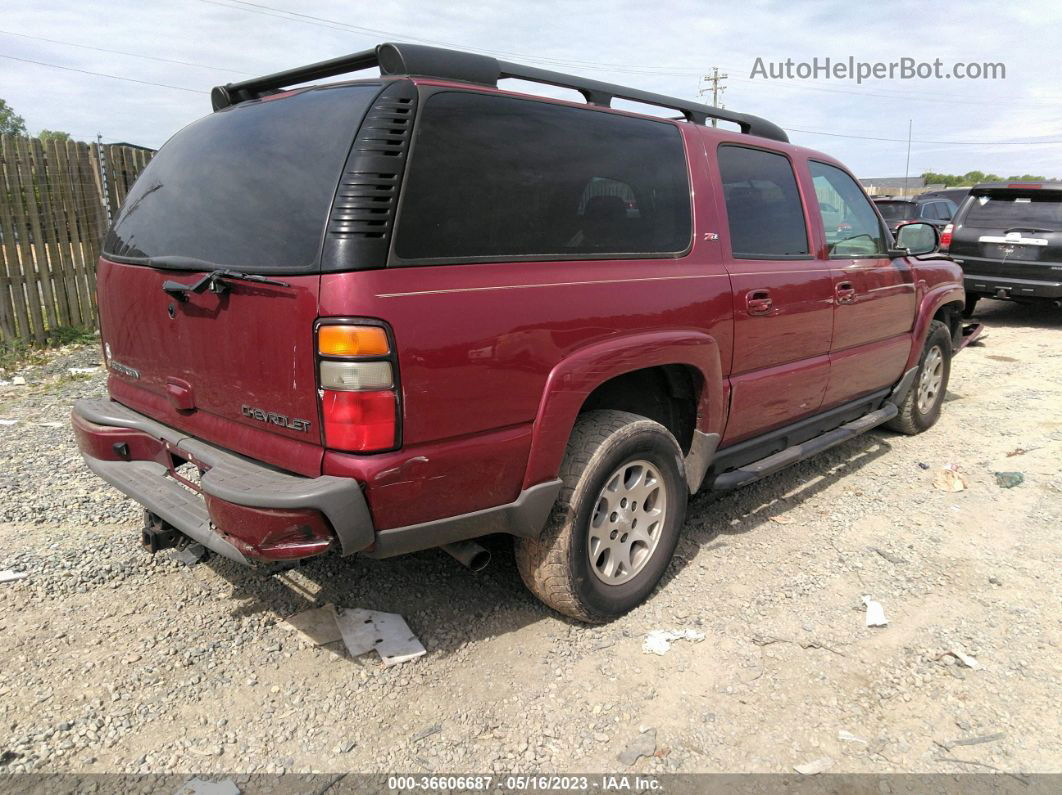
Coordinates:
(1007,236)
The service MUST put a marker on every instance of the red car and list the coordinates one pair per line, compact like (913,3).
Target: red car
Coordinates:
(374,317)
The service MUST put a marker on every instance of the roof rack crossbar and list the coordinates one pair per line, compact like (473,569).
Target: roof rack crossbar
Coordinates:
(423,61)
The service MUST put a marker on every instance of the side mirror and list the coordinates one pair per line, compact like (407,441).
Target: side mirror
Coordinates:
(915,239)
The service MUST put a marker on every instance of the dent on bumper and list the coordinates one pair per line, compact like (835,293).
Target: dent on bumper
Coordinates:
(262,512)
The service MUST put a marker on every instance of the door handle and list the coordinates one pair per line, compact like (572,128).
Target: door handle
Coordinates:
(846,293)
(758,302)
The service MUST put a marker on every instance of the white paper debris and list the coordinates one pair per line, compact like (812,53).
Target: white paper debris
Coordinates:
(814,767)
(387,633)
(83,370)
(18,380)
(8,422)
(875,613)
(965,659)
(848,737)
(11,576)
(659,640)
(950,479)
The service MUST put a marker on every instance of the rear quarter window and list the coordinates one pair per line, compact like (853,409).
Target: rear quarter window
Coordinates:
(895,211)
(493,177)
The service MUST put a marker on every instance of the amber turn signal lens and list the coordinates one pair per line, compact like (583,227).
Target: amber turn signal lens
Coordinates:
(352,341)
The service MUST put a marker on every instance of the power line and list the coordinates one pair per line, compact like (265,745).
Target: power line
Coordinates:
(644,69)
(715,79)
(860,93)
(123,52)
(940,143)
(102,74)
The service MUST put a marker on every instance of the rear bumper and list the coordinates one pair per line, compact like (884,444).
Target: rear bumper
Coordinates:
(240,509)
(247,511)
(1050,288)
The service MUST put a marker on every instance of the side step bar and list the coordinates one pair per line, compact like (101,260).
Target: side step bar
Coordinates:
(798,452)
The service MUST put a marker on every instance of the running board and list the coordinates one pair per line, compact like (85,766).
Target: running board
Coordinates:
(798,452)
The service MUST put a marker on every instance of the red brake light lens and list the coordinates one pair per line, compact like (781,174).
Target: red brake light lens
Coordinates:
(359,422)
(945,237)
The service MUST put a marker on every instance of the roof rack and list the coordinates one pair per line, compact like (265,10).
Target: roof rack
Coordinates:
(420,60)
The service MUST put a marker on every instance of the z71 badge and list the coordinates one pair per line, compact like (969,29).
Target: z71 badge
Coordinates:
(292,423)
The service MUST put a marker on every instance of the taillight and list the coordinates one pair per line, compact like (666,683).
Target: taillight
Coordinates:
(359,397)
(945,237)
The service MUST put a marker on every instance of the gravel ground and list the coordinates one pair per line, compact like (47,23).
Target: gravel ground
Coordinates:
(116,661)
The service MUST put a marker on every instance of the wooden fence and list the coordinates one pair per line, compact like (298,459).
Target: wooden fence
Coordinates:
(55,197)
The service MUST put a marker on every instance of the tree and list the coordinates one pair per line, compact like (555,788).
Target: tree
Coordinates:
(10,122)
(53,135)
(972,178)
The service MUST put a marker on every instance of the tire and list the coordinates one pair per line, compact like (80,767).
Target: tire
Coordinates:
(557,566)
(971,303)
(921,407)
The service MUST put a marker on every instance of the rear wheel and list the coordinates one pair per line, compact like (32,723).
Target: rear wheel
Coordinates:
(921,407)
(616,522)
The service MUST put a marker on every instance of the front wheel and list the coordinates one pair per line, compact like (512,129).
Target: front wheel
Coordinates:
(614,528)
(921,407)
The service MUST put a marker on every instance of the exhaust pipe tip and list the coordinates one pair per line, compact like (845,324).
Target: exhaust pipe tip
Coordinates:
(469,554)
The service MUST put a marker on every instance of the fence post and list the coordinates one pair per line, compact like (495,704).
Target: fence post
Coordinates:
(104,180)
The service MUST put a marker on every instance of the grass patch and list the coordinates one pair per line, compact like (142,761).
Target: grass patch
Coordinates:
(17,354)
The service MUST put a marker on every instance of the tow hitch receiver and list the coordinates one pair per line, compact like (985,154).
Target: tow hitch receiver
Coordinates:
(157,535)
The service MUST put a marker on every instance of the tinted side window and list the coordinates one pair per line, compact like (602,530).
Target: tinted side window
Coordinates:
(762,204)
(504,178)
(860,233)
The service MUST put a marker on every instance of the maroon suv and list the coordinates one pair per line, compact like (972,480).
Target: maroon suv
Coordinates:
(374,317)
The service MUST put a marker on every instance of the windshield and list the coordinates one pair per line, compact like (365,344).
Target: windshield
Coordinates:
(895,211)
(249,187)
(1002,210)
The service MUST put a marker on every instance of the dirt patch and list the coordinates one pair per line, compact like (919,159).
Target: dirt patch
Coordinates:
(114,661)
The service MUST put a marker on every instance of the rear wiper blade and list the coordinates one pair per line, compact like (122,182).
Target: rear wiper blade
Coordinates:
(217,281)
(1027,229)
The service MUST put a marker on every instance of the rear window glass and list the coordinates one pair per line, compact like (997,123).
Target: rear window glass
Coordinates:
(249,187)
(497,177)
(895,211)
(763,208)
(1006,210)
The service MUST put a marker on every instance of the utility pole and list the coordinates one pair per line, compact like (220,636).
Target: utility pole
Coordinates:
(717,89)
(907,168)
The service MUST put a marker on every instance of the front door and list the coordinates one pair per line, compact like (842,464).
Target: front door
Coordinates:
(874,296)
(783,311)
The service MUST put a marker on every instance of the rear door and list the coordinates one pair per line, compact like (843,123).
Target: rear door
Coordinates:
(246,189)
(783,315)
(1011,232)
(874,296)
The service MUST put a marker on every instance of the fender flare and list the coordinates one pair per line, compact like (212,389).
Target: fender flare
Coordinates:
(573,378)
(932,301)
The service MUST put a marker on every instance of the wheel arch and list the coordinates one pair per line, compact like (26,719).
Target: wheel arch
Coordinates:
(939,303)
(683,364)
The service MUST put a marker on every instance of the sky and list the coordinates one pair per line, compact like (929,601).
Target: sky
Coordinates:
(1004,126)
